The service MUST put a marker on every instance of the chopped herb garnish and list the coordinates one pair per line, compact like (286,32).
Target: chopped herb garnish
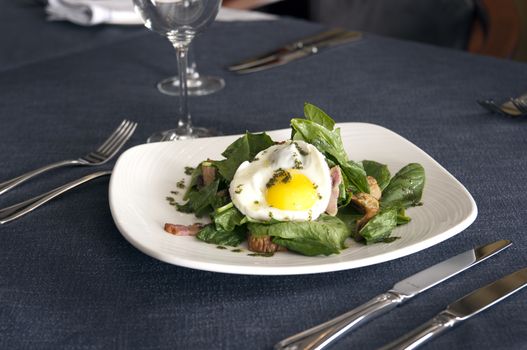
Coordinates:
(256,202)
(174,192)
(266,255)
(221,247)
(298,164)
(300,150)
(181,184)
(237,250)
(283,175)
(189,170)
(238,189)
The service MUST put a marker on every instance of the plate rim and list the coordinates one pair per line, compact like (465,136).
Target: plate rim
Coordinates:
(304,269)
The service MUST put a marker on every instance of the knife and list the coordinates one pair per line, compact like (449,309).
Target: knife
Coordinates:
(462,309)
(307,50)
(287,48)
(322,335)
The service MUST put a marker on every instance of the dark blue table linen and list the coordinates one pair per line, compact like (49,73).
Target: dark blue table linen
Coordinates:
(68,279)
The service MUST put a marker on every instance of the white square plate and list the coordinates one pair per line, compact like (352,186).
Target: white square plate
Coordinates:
(145,175)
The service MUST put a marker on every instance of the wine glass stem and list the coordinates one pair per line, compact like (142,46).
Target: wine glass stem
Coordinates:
(184,115)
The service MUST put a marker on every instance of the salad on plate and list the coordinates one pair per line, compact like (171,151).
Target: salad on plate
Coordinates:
(303,194)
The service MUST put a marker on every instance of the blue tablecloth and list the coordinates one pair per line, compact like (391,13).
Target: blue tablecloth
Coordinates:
(68,279)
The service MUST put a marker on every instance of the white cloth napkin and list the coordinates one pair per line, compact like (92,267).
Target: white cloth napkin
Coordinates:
(121,12)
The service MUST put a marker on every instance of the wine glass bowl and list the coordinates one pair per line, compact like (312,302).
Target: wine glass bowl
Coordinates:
(179,21)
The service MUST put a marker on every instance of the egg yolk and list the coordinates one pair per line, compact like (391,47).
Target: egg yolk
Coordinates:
(291,190)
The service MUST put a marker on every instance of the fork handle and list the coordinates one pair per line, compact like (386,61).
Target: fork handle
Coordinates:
(9,184)
(15,211)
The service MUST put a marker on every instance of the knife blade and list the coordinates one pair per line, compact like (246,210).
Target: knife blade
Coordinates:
(308,50)
(326,333)
(462,309)
(269,56)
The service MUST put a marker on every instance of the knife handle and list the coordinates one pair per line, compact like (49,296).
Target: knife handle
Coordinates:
(322,335)
(315,38)
(437,325)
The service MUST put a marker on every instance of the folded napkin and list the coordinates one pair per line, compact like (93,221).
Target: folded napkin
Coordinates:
(92,12)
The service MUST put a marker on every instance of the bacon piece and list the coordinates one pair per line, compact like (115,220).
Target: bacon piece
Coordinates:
(336,179)
(183,230)
(375,189)
(208,172)
(263,244)
(368,205)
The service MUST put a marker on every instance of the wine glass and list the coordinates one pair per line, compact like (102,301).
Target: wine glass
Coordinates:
(197,84)
(179,21)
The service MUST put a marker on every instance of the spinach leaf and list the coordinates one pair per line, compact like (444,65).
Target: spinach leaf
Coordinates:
(315,114)
(377,170)
(214,235)
(356,176)
(379,228)
(405,188)
(196,173)
(330,144)
(244,148)
(402,218)
(228,217)
(325,236)
(305,246)
(349,215)
(205,200)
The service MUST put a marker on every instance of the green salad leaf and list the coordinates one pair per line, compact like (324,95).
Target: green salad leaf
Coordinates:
(378,171)
(326,235)
(228,217)
(402,218)
(315,114)
(214,235)
(243,149)
(205,200)
(379,228)
(405,188)
(330,144)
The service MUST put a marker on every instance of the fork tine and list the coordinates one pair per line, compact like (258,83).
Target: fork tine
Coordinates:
(120,140)
(520,104)
(113,135)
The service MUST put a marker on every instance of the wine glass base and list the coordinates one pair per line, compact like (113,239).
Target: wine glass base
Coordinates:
(196,86)
(181,134)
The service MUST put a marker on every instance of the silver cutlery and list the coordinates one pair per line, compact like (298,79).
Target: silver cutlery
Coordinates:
(269,56)
(319,337)
(515,107)
(520,104)
(18,210)
(462,309)
(101,155)
(305,51)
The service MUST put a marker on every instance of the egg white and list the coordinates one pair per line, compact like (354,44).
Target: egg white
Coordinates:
(248,187)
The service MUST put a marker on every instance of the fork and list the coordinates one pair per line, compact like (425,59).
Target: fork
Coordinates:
(521,104)
(510,111)
(101,155)
(18,210)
